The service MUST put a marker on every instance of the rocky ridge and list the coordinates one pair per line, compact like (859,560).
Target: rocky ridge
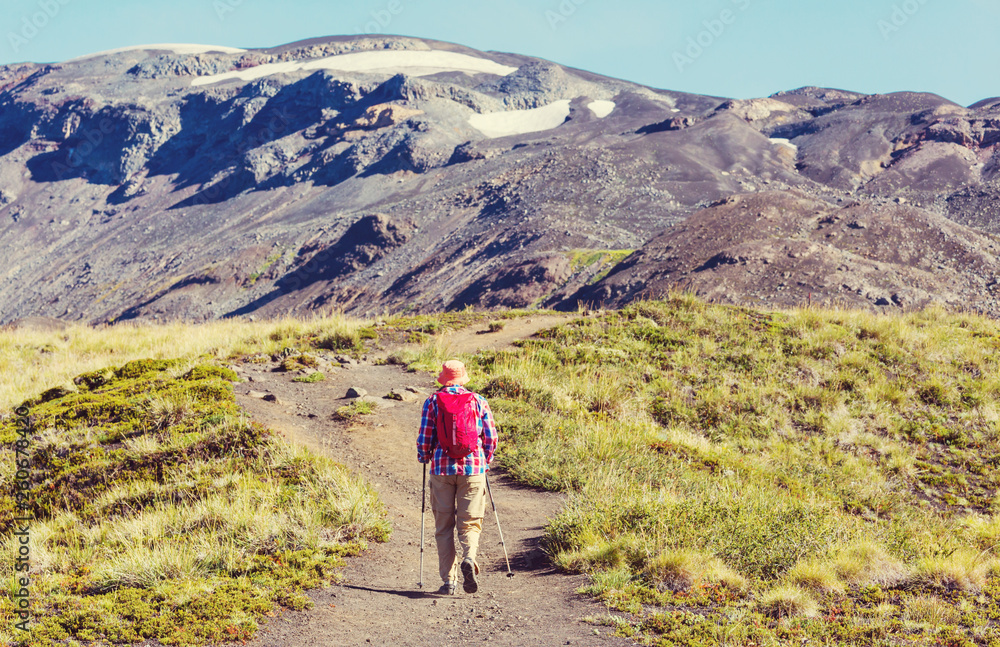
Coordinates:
(787,249)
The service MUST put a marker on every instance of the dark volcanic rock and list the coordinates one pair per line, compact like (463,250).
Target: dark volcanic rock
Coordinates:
(677,123)
(517,287)
(174,65)
(364,242)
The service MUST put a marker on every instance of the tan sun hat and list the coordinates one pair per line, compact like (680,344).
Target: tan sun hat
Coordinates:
(453,374)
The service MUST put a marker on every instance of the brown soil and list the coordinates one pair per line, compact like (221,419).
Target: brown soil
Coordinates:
(378,601)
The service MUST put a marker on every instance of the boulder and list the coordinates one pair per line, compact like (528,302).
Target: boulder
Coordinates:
(401,395)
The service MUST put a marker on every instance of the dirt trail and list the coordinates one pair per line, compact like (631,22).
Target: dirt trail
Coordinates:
(379,602)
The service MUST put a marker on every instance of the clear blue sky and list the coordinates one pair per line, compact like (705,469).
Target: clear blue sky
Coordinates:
(759,47)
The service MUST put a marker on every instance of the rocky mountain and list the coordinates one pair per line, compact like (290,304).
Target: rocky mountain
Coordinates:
(377,174)
(786,248)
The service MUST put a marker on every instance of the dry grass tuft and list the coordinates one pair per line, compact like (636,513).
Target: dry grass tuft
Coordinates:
(963,570)
(865,563)
(787,601)
(931,611)
(816,576)
(681,570)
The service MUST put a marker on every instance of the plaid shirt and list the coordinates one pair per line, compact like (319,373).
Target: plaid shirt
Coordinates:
(475,463)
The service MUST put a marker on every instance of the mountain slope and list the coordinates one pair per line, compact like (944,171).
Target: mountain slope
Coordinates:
(784,248)
(153,183)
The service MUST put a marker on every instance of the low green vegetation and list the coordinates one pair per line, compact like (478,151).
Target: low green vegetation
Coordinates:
(162,514)
(32,361)
(741,477)
(356,409)
(310,378)
(298,362)
(735,477)
(268,263)
(599,261)
(349,341)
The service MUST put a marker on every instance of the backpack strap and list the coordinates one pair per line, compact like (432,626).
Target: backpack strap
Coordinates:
(439,423)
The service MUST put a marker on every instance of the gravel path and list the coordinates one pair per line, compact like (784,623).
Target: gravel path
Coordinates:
(378,601)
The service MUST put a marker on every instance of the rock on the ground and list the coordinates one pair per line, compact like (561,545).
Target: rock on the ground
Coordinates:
(401,395)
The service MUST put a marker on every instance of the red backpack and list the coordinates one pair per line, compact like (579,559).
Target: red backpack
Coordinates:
(457,432)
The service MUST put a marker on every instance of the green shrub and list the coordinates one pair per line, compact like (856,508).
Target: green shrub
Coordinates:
(140,367)
(93,379)
(355,409)
(297,362)
(310,378)
(207,371)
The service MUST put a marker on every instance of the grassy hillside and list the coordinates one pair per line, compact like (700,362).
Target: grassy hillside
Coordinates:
(745,477)
(806,477)
(160,512)
(32,361)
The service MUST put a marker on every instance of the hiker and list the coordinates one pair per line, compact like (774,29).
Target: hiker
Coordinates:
(458,485)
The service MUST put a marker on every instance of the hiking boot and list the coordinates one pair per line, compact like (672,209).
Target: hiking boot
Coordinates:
(469,582)
(448,588)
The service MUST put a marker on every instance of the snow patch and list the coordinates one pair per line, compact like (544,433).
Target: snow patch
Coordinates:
(417,63)
(176,48)
(784,142)
(413,63)
(601,109)
(250,73)
(517,122)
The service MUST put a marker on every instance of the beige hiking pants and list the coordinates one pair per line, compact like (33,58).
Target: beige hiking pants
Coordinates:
(460,501)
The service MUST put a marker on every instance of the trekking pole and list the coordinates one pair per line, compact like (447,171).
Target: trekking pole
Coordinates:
(423,509)
(493,503)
